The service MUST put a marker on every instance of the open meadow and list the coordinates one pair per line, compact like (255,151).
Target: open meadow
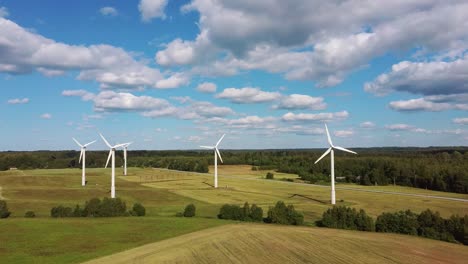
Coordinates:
(165,192)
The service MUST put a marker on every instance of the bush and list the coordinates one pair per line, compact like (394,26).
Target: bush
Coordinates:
(138,210)
(30,214)
(343,217)
(112,207)
(270,176)
(285,215)
(4,213)
(189,210)
(92,207)
(402,222)
(256,213)
(246,213)
(61,211)
(78,212)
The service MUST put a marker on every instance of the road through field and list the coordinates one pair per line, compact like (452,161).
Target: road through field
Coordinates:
(268,243)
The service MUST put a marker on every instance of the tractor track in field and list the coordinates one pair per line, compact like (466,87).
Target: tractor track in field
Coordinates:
(344,188)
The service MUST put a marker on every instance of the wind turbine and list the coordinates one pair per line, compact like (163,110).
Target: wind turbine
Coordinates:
(83,155)
(332,156)
(216,155)
(125,156)
(111,154)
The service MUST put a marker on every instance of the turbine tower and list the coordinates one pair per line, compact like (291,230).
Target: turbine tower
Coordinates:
(216,155)
(332,157)
(125,156)
(83,155)
(111,154)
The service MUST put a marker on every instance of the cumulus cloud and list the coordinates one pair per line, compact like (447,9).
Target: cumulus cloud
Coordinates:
(367,124)
(3,12)
(343,133)
(46,116)
(312,44)
(248,95)
(320,117)
(461,120)
(174,81)
(18,101)
(108,11)
(430,103)
(22,52)
(150,9)
(301,101)
(85,95)
(206,87)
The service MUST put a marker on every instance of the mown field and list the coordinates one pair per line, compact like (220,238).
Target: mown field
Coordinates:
(253,243)
(164,193)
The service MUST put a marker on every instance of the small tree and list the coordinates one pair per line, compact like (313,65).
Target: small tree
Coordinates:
(245,216)
(189,210)
(4,213)
(139,210)
(285,215)
(256,213)
(29,214)
(270,176)
(92,207)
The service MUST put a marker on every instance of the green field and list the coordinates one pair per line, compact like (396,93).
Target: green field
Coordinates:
(164,193)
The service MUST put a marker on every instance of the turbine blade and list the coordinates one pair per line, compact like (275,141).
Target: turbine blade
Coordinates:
(128,143)
(343,149)
(87,144)
(323,155)
(219,141)
(107,143)
(328,136)
(219,155)
(108,158)
(77,142)
(81,155)
(119,145)
(207,147)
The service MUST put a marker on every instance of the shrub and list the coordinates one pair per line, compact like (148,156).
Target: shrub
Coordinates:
(139,210)
(189,210)
(112,207)
(229,211)
(92,207)
(78,212)
(29,214)
(4,213)
(245,213)
(343,217)
(256,213)
(270,176)
(61,211)
(282,214)
(402,222)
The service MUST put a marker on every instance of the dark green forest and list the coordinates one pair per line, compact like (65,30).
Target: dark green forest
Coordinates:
(434,168)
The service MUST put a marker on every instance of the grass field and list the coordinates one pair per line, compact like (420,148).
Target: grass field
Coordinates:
(164,193)
(242,243)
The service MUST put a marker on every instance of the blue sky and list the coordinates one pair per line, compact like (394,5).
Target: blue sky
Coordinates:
(178,74)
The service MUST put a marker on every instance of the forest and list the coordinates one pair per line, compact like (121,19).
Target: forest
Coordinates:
(434,168)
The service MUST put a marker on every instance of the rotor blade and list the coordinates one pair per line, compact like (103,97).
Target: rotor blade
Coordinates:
(328,136)
(219,141)
(87,144)
(128,143)
(107,143)
(119,145)
(207,147)
(81,155)
(77,142)
(108,158)
(219,155)
(324,154)
(343,149)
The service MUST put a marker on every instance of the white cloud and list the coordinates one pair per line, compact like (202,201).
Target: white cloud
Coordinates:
(194,139)
(302,117)
(108,11)
(429,103)
(367,124)
(23,51)
(113,101)
(343,133)
(206,87)
(46,116)
(248,95)
(85,95)
(300,101)
(4,12)
(246,122)
(174,81)
(150,9)
(461,120)
(18,101)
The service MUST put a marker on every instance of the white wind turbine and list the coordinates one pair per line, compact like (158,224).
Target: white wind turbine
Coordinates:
(332,156)
(216,155)
(125,156)
(111,154)
(83,156)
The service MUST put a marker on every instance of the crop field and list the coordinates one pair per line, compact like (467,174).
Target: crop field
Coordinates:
(165,192)
(253,243)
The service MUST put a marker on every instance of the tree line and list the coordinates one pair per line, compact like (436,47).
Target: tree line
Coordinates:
(435,168)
